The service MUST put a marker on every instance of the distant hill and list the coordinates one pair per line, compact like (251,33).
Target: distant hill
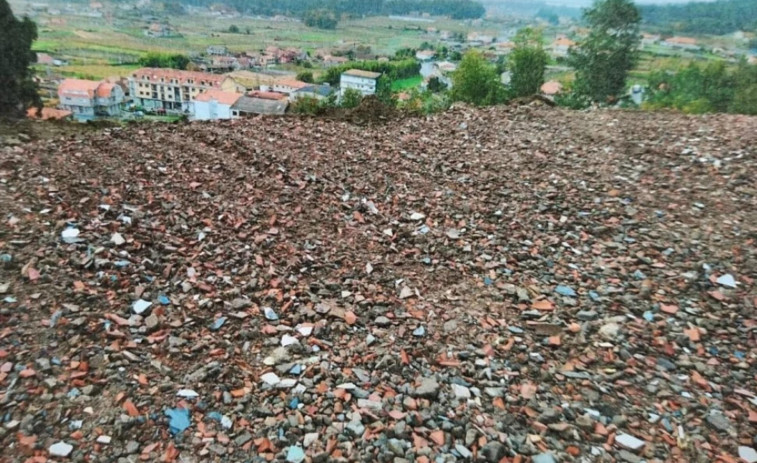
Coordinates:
(458,9)
(718,17)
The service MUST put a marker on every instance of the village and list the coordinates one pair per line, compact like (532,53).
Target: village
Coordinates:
(230,78)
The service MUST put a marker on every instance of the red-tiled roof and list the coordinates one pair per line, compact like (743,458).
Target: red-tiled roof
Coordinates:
(563,42)
(182,77)
(105,89)
(365,74)
(294,83)
(682,40)
(551,88)
(222,97)
(48,113)
(268,95)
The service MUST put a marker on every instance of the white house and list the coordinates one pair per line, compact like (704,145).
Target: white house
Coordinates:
(89,99)
(363,81)
(288,86)
(213,105)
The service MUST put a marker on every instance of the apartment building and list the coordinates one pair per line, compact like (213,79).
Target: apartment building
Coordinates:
(174,90)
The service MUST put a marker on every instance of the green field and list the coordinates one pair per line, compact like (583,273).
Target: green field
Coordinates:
(406,84)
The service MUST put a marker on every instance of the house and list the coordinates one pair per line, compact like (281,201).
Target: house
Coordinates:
(247,105)
(213,105)
(252,80)
(48,114)
(288,85)
(268,95)
(44,58)
(90,99)
(445,66)
(159,30)
(682,43)
(561,46)
(363,81)
(551,88)
(174,90)
(649,39)
(504,48)
(216,50)
(330,61)
(477,39)
(425,55)
(319,92)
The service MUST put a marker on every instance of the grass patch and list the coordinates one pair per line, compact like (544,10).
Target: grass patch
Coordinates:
(406,84)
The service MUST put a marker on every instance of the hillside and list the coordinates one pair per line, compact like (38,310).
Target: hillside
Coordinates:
(718,17)
(486,285)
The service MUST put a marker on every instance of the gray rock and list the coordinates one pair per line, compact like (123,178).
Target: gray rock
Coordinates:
(463,451)
(395,446)
(493,452)
(356,428)
(747,454)
(132,447)
(719,422)
(587,315)
(625,455)
(428,389)
(544,458)
(242,439)
(382,321)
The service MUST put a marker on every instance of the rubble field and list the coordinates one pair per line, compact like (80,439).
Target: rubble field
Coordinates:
(516,284)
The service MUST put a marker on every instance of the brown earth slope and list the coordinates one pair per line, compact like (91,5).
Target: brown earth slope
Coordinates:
(488,285)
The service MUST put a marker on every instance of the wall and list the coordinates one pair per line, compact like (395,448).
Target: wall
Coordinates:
(211,110)
(361,84)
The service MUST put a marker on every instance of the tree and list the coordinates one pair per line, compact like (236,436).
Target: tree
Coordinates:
(351,98)
(436,85)
(164,60)
(476,81)
(527,63)
(603,59)
(19,91)
(305,76)
(234,29)
(322,19)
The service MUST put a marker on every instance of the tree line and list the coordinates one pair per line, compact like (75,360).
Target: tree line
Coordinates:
(457,9)
(701,89)
(719,17)
(391,70)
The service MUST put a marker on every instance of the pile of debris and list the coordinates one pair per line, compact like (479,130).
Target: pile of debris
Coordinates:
(502,285)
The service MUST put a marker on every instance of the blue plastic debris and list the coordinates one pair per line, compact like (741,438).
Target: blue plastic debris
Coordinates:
(488,281)
(218,324)
(215,416)
(54,319)
(294,403)
(419,332)
(648,316)
(295,454)
(296,370)
(739,355)
(73,393)
(594,296)
(179,420)
(164,300)
(270,314)
(563,290)
(639,275)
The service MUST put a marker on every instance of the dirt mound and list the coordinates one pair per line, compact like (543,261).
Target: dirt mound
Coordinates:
(484,285)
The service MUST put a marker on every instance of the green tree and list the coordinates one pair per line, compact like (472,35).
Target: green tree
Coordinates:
(164,60)
(305,76)
(234,29)
(436,85)
(322,19)
(351,98)
(19,91)
(603,59)
(476,81)
(527,63)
